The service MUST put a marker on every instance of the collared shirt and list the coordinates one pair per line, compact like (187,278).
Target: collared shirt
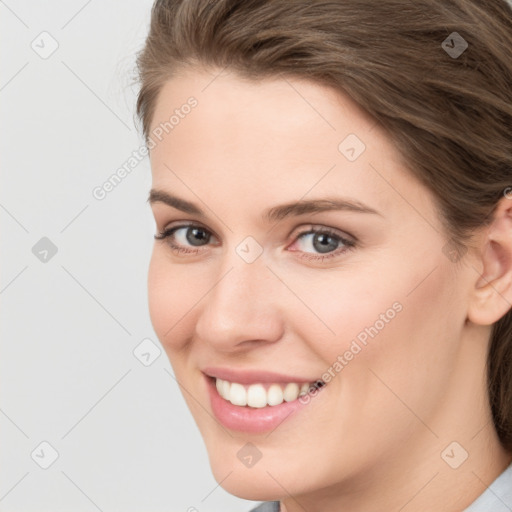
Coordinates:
(496,498)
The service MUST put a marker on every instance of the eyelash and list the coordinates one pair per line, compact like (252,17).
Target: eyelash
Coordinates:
(348,244)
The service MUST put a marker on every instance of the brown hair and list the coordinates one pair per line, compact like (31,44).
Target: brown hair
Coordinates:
(449,115)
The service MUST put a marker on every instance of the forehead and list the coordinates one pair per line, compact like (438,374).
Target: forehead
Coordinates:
(285,105)
(274,135)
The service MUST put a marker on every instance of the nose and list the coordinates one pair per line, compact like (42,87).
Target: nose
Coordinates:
(242,308)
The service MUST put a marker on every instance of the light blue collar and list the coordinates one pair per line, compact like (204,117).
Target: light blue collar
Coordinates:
(497,497)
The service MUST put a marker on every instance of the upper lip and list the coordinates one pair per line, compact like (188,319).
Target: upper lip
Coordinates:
(253,376)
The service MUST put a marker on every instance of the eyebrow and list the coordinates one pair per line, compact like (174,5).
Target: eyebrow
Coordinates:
(276,213)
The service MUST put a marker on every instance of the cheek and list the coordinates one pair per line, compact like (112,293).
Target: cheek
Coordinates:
(346,306)
(394,303)
(394,323)
(172,293)
(407,360)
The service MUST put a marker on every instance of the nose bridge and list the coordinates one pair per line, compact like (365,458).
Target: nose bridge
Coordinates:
(242,305)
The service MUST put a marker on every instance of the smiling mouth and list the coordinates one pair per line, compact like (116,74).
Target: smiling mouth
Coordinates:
(261,395)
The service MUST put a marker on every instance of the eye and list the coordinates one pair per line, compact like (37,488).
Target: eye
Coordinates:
(193,234)
(327,242)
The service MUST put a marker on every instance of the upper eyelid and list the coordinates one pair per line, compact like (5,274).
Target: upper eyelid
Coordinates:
(186,224)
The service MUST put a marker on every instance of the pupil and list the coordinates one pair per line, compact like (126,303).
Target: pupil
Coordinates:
(324,245)
(196,234)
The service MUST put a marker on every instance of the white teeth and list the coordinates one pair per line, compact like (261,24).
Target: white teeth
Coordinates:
(256,396)
(225,386)
(304,388)
(237,394)
(291,392)
(275,395)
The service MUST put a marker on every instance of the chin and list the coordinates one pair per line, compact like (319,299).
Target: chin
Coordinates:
(250,486)
(265,481)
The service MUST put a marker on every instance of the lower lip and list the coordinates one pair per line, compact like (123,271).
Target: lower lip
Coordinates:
(250,419)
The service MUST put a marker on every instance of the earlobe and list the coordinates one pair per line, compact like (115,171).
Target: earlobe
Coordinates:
(491,296)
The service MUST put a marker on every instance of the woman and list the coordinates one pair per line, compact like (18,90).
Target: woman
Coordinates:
(332,273)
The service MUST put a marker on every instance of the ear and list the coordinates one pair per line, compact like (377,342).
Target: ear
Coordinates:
(491,296)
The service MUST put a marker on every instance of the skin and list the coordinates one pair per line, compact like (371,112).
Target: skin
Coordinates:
(372,439)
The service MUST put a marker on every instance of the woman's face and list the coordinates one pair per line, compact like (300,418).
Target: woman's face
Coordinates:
(372,304)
